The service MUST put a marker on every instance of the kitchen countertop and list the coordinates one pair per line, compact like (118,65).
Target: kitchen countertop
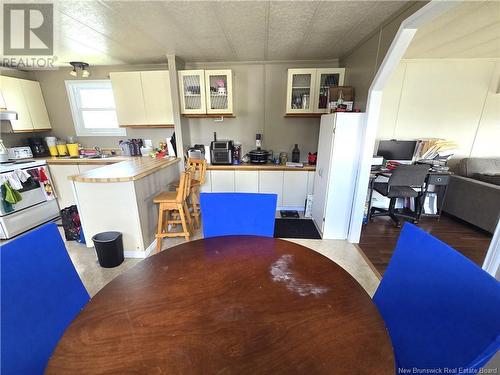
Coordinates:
(130,169)
(260,167)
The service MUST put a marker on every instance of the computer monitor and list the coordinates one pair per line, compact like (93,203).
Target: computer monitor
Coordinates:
(397,150)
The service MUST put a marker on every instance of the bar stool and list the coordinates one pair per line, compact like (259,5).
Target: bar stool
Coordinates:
(198,169)
(173,210)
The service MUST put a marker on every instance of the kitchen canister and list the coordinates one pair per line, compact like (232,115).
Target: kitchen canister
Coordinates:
(52,145)
(73,149)
(62,149)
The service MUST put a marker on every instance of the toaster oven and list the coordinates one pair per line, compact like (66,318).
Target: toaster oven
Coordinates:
(221,152)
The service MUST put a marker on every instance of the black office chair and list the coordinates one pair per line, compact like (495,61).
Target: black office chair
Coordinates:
(400,185)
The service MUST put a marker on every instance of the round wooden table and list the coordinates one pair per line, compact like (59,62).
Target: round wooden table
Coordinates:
(228,305)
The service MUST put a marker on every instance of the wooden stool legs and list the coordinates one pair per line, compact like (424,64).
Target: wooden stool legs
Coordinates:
(195,205)
(168,216)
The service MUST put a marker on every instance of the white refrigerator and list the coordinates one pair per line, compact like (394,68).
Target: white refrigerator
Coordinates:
(336,171)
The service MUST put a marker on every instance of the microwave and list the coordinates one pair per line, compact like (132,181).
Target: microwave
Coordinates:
(221,152)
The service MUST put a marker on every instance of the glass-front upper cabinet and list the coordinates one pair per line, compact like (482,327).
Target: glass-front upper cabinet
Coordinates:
(219,91)
(324,79)
(192,88)
(300,90)
(307,89)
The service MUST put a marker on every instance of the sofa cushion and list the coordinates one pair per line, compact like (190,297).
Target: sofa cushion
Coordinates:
(472,167)
(489,178)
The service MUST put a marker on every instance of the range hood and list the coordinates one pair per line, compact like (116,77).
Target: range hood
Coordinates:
(8,115)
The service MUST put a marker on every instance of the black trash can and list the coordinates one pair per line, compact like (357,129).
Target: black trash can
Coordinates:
(109,248)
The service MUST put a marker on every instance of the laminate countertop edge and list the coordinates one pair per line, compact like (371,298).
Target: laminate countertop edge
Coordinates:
(86,161)
(124,171)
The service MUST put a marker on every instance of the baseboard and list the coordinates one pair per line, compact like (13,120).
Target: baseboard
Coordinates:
(141,254)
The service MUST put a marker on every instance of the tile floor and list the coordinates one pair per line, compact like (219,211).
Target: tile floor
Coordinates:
(343,253)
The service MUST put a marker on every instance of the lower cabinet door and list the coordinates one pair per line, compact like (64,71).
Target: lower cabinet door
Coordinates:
(272,182)
(64,186)
(207,186)
(222,181)
(294,188)
(246,181)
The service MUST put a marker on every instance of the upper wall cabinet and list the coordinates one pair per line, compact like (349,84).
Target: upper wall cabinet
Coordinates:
(192,91)
(307,89)
(206,92)
(25,97)
(143,99)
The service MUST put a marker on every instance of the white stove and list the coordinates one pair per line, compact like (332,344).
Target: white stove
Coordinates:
(12,165)
(36,206)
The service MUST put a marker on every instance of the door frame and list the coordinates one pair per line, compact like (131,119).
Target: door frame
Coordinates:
(399,45)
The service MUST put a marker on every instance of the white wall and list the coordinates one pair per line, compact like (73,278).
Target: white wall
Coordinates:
(363,61)
(440,98)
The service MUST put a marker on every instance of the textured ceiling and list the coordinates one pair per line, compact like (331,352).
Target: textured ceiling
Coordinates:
(133,32)
(470,30)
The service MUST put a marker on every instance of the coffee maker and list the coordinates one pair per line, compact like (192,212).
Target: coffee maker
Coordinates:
(38,147)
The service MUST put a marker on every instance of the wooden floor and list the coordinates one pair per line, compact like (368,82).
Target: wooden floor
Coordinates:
(378,239)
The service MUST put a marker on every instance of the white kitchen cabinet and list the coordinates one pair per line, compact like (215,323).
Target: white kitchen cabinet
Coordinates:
(207,186)
(157,97)
(143,99)
(300,90)
(14,101)
(246,181)
(63,186)
(206,92)
(272,182)
(36,105)
(307,89)
(324,79)
(129,100)
(222,181)
(294,188)
(310,182)
(192,91)
(219,91)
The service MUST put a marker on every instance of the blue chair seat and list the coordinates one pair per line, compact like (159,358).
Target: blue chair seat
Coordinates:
(226,214)
(441,310)
(41,294)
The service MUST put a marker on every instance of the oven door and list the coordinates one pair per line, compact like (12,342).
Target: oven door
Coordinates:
(32,194)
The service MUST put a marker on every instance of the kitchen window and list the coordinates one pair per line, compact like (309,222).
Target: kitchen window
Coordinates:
(93,108)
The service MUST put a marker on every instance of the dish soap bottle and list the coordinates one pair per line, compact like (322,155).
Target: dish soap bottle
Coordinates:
(296,154)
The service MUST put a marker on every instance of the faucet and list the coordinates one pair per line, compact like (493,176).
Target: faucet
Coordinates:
(98,149)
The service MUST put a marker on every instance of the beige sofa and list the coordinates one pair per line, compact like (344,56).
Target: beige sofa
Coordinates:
(474,192)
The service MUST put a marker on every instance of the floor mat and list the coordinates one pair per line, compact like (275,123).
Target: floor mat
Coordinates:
(295,228)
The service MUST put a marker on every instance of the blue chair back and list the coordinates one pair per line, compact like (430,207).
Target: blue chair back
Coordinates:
(41,295)
(441,310)
(227,214)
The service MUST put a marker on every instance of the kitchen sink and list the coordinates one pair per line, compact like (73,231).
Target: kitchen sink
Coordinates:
(103,156)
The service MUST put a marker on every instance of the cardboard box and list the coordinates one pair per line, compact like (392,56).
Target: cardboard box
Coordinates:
(347,93)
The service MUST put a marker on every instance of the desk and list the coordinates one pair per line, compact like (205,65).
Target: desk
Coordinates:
(229,305)
(439,180)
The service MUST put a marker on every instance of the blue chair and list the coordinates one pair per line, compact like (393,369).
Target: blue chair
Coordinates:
(226,214)
(441,310)
(41,295)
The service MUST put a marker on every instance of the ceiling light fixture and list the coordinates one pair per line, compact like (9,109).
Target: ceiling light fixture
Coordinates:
(83,66)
